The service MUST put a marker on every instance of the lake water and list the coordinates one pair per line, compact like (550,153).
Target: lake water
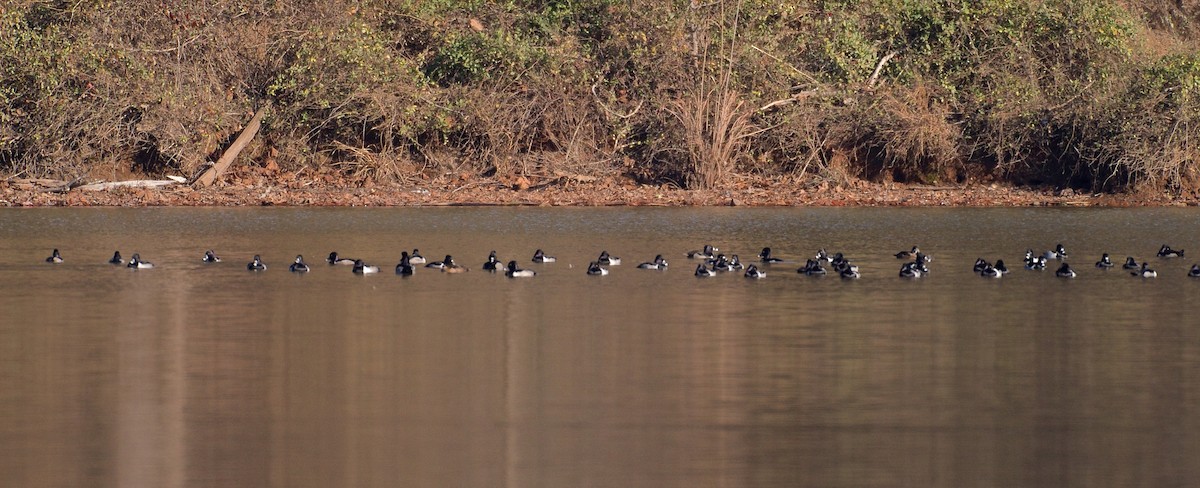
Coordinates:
(192,375)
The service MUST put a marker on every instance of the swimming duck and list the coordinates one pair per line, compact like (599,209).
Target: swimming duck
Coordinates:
(415,257)
(753,272)
(921,261)
(1065,271)
(1145,272)
(55,257)
(1059,253)
(116,259)
(137,263)
(908,254)
(821,255)
(256,264)
(980,263)
(1166,252)
(405,267)
(812,267)
(766,257)
(1130,263)
(608,260)
(211,257)
(703,271)
(299,266)
(1105,262)
(850,272)
(449,261)
(595,269)
(734,263)
(1000,266)
(454,267)
(909,270)
(541,257)
(334,259)
(514,272)
(659,263)
(990,271)
(492,263)
(363,268)
(1195,271)
(720,263)
(1036,263)
(707,253)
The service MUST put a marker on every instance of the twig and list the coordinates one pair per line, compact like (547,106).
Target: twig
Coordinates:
(879,68)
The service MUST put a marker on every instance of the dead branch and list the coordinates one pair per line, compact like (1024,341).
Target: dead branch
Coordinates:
(210,175)
(127,184)
(879,68)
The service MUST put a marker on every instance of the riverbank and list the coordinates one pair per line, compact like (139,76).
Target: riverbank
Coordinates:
(327,190)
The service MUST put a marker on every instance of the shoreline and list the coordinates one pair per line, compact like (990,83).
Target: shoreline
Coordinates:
(755,192)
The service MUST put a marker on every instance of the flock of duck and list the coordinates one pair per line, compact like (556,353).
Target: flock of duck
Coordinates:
(711,263)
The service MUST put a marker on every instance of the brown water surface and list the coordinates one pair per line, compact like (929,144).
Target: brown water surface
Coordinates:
(192,375)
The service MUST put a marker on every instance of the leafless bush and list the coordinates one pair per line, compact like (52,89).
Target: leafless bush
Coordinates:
(715,125)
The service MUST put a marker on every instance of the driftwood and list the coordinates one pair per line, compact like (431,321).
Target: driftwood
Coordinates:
(210,175)
(126,184)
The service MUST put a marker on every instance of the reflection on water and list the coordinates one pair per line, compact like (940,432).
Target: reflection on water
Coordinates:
(209,375)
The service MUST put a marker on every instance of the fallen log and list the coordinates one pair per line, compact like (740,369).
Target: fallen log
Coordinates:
(126,184)
(210,175)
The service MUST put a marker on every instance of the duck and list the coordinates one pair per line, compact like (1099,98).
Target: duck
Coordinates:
(211,257)
(1145,272)
(454,268)
(514,272)
(1105,262)
(735,263)
(363,268)
(703,271)
(1130,263)
(907,254)
(136,262)
(595,269)
(822,255)
(909,270)
(1166,252)
(721,263)
(812,267)
(608,260)
(990,271)
(541,257)
(850,272)
(416,257)
(116,259)
(492,263)
(1195,271)
(298,266)
(753,272)
(1000,266)
(766,257)
(980,263)
(659,263)
(334,259)
(449,261)
(1065,271)
(921,262)
(256,264)
(55,257)
(1058,253)
(405,267)
(1037,263)
(708,252)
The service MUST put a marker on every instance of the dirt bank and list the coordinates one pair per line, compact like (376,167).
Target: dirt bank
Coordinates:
(265,189)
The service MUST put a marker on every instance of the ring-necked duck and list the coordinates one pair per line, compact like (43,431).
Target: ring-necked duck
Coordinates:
(595,269)
(1145,272)
(256,264)
(980,263)
(416,258)
(910,270)
(608,260)
(822,255)
(492,264)
(363,268)
(849,272)
(211,257)
(334,259)
(812,267)
(55,257)
(116,259)
(708,252)
(1166,252)
(1105,262)
(659,263)
(299,266)
(1059,253)
(703,271)
(405,267)
(1000,266)
(449,261)
(766,257)
(1065,271)
(907,254)
(753,272)
(1195,271)
(1130,263)
(1037,263)
(990,271)
(514,272)
(137,263)
(541,257)
(735,263)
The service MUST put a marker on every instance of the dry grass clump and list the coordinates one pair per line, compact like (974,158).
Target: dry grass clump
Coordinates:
(715,126)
